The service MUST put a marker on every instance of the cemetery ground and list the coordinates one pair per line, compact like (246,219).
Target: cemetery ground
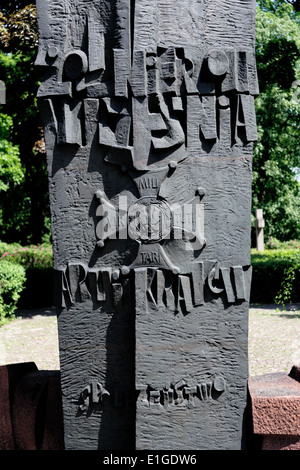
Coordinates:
(274,339)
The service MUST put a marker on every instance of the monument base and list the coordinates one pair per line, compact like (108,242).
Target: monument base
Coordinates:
(275,402)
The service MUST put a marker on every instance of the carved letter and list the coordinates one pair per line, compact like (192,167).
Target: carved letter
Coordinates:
(201,116)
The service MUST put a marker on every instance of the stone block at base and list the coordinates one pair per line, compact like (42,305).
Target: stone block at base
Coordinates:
(30,408)
(275,402)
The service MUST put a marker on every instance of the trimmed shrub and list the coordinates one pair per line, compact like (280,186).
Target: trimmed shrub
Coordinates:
(37,261)
(33,256)
(272,243)
(12,281)
(276,276)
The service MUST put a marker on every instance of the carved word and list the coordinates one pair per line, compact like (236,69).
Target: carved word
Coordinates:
(183,292)
(93,394)
(160,288)
(181,393)
(77,283)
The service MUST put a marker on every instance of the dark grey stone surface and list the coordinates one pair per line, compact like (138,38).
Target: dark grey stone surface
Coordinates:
(148,110)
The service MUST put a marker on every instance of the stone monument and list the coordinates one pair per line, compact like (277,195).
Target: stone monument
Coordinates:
(2,92)
(149,122)
(259,226)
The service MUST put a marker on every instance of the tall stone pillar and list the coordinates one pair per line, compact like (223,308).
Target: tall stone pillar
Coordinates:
(148,110)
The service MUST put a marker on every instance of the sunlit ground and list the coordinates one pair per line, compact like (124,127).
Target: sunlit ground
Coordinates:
(274,340)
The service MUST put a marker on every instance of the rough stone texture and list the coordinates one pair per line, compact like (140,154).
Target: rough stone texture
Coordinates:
(148,112)
(9,378)
(31,408)
(37,412)
(275,400)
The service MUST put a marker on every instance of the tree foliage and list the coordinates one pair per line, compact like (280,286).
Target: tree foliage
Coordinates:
(276,5)
(25,212)
(18,29)
(11,173)
(276,188)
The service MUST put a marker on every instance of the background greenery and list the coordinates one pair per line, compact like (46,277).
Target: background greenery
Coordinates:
(276,273)
(24,204)
(12,280)
(276,161)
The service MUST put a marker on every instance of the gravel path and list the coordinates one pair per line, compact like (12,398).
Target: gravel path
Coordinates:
(274,339)
(32,337)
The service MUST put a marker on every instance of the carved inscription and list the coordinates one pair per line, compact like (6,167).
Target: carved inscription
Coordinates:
(151,257)
(94,396)
(157,103)
(161,288)
(213,115)
(181,393)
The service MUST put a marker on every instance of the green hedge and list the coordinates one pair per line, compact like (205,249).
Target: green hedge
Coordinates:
(37,260)
(33,256)
(276,276)
(12,281)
